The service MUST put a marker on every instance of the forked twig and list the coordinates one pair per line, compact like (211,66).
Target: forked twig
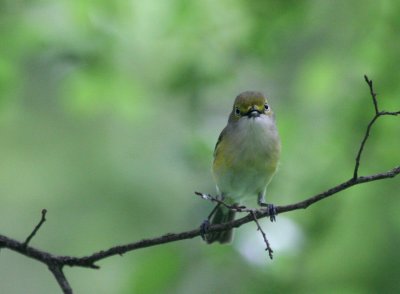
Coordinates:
(370,124)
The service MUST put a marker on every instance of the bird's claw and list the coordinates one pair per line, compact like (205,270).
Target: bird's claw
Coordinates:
(271,210)
(204,229)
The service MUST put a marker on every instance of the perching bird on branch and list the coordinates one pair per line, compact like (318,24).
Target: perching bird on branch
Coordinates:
(245,158)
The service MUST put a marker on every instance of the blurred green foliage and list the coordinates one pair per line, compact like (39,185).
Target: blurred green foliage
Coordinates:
(109,112)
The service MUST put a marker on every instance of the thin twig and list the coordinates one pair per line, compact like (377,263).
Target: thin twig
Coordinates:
(268,247)
(394,113)
(36,229)
(360,151)
(236,208)
(373,94)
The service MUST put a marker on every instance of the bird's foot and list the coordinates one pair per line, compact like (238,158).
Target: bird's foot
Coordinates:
(271,210)
(205,225)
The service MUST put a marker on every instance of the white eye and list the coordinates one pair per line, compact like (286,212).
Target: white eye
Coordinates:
(266,107)
(237,111)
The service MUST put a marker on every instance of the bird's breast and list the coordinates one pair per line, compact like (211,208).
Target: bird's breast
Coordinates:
(247,156)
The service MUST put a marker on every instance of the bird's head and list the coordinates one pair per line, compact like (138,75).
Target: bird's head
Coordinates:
(250,105)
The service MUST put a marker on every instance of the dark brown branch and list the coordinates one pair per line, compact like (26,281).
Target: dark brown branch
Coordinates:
(56,263)
(41,222)
(60,278)
(90,260)
(343,186)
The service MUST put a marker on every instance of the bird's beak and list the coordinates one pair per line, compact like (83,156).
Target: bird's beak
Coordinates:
(253,112)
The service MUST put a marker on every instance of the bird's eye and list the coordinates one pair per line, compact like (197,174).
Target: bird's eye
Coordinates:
(237,111)
(266,107)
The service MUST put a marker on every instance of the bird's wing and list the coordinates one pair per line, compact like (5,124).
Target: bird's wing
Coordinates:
(219,141)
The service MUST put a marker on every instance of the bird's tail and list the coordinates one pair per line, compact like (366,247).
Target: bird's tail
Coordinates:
(221,215)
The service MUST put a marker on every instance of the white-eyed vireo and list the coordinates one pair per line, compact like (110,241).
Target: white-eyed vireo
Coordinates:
(245,158)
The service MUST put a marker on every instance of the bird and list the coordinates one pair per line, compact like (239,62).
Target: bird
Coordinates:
(246,157)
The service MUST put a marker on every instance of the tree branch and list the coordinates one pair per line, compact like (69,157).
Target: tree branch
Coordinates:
(42,220)
(56,263)
(58,273)
(373,120)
